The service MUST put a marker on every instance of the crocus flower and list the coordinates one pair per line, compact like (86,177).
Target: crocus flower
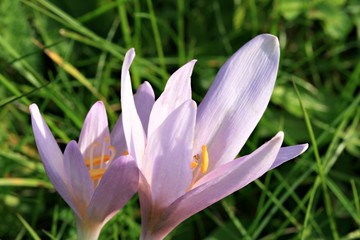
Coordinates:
(187,154)
(91,177)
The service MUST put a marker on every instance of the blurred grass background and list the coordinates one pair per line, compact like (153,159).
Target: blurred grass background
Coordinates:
(313,197)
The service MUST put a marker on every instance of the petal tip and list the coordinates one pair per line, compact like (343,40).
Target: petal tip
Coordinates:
(305,147)
(99,103)
(280,135)
(33,108)
(130,54)
(269,43)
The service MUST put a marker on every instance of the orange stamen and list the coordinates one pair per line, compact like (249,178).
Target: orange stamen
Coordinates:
(96,174)
(96,160)
(97,165)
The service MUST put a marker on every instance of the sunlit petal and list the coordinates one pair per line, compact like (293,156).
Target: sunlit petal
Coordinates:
(237,99)
(133,129)
(220,183)
(176,92)
(169,153)
(144,101)
(117,186)
(78,177)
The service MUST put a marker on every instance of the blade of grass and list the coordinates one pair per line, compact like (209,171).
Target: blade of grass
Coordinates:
(70,69)
(30,230)
(239,226)
(157,39)
(127,36)
(321,173)
(24,182)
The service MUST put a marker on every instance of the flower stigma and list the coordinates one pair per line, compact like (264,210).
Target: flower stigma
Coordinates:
(204,164)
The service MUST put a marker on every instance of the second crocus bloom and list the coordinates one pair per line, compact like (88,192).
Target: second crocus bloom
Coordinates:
(186,153)
(91,176)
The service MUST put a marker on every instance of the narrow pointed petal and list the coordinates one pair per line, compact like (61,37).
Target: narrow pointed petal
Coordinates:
(118,138)
(176,92)
(50,154)
(117,186)
(78,177)
(49,150)
(133,129)
(220,183)
(95,130)
(288,153)
(169,154)
(144,101)
(237,99)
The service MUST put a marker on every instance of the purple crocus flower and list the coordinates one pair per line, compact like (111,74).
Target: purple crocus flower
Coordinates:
(90,176)
(187,154)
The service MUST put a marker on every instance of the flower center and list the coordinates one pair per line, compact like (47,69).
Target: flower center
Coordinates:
(199,166)
(98,163)
(204,160)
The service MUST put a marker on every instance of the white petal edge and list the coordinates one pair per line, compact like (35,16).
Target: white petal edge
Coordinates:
(133,129)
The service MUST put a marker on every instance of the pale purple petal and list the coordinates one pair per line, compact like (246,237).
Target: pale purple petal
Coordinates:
(220,183)
(288,153)
(168,155)
(176,92)
(144,101)
(50,155)
(78,178)
(237,99)
(94,136)
(118,138)
(133,129)
(116,187)
(146,203)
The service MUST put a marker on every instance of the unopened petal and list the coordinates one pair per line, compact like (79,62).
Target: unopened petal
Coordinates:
(95,132)
(237,99)
(117,186)
(288,153)
(220,183)
(133,129)
(50,154)
(144,101)
(176,92)
(78,177)
(168,155)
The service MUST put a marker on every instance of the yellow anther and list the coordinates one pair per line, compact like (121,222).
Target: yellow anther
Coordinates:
(204,159)
(97,173)
(125,153)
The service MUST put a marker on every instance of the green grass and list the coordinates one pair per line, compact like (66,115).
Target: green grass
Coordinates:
(316,100)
